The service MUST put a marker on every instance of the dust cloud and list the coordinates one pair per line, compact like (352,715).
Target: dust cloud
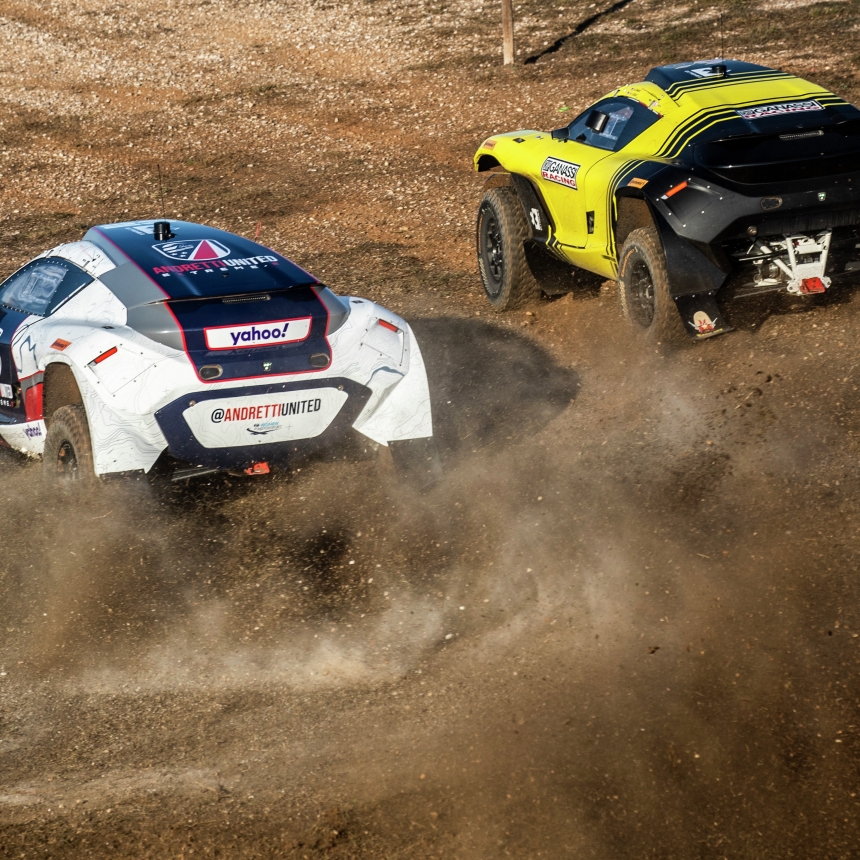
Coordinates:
(621,625)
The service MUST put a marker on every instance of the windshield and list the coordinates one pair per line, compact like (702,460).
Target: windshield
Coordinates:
(627,119)
(42,285)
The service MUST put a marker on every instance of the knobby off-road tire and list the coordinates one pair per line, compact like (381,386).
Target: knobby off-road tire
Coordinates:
(68,457)
(502,230)
(643,287)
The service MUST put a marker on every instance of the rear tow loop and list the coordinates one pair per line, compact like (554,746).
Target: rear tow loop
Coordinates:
(801,259)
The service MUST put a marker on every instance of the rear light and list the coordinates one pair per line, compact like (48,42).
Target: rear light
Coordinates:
(388,325)
(258,469)
(105,355)
(33,402)
(812,285)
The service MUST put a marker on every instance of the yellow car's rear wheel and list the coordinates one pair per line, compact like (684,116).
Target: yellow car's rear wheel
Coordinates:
(501,233)
(643,287)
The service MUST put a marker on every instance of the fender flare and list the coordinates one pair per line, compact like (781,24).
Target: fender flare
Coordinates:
(690,270)
(61,388)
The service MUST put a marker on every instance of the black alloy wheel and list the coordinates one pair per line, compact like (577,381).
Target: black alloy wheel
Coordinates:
(501,234)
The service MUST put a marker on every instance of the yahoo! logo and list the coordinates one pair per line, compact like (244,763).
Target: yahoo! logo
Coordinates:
(257,334)
(254,333)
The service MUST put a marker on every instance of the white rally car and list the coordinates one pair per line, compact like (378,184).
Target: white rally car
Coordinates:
(177,344)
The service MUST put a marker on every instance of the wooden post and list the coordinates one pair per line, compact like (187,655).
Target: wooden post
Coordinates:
(507,32)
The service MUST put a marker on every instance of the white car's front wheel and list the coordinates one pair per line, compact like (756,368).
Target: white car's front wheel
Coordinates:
(68,455)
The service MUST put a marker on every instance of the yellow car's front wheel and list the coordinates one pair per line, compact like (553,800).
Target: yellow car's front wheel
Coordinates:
(501,233)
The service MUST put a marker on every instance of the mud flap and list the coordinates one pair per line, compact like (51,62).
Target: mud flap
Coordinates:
(701,315)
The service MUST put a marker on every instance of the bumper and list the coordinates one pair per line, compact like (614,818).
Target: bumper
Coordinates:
(276,423)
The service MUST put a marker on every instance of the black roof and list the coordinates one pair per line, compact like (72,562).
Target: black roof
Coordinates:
(676,73)
(197,261)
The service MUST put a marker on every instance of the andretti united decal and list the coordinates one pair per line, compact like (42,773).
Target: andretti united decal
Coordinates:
(562,172)
(266,410)
(213,265)
(258,419)
(779,109)
(257,334)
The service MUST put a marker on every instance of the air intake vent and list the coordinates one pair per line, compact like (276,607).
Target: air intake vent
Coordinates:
(260,297)
(801,134)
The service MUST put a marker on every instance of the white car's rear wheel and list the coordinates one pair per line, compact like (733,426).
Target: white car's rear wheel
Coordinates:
(68,456)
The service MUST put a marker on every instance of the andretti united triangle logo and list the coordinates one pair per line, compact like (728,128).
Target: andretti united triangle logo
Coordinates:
(193,250)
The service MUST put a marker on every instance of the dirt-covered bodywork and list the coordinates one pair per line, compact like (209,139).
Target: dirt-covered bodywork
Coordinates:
(734,178)
(179,344)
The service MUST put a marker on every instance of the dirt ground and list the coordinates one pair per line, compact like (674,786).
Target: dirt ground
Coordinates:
(626,623)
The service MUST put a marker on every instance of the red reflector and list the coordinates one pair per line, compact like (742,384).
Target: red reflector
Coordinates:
(812,285)
(33,402)
(258,469)
(388,325)
(104,355)
(672,191)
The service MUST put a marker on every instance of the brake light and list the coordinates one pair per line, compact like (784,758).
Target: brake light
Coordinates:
(33,402)
(388,325)
(258,469)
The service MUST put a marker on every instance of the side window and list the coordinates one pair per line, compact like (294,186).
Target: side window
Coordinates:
(42,286)
(626,120)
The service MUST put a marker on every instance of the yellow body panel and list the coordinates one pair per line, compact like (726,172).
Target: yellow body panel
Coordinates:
(686,109)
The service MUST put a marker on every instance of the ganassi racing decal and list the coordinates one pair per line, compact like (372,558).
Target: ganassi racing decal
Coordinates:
(563,172)
(230,422)
(779,109)
(193,249)
(257,334)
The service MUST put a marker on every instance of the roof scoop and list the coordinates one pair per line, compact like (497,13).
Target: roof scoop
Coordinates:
(161,231)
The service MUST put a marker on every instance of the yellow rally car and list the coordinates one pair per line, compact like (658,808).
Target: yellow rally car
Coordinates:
(712,177)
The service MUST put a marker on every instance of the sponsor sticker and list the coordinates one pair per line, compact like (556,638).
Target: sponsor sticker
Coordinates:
(257,334)
(488,144)
(5,391)
(228,422)
(193,249)
(60,344)
(32,432)
(562,172)
(635,182)
(779,109)
(192,268)
(266,411)
(7,403)
(706,72)
(702,323)
(534,217)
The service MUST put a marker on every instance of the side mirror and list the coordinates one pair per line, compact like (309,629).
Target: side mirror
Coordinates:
(597,121)
(560,133)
